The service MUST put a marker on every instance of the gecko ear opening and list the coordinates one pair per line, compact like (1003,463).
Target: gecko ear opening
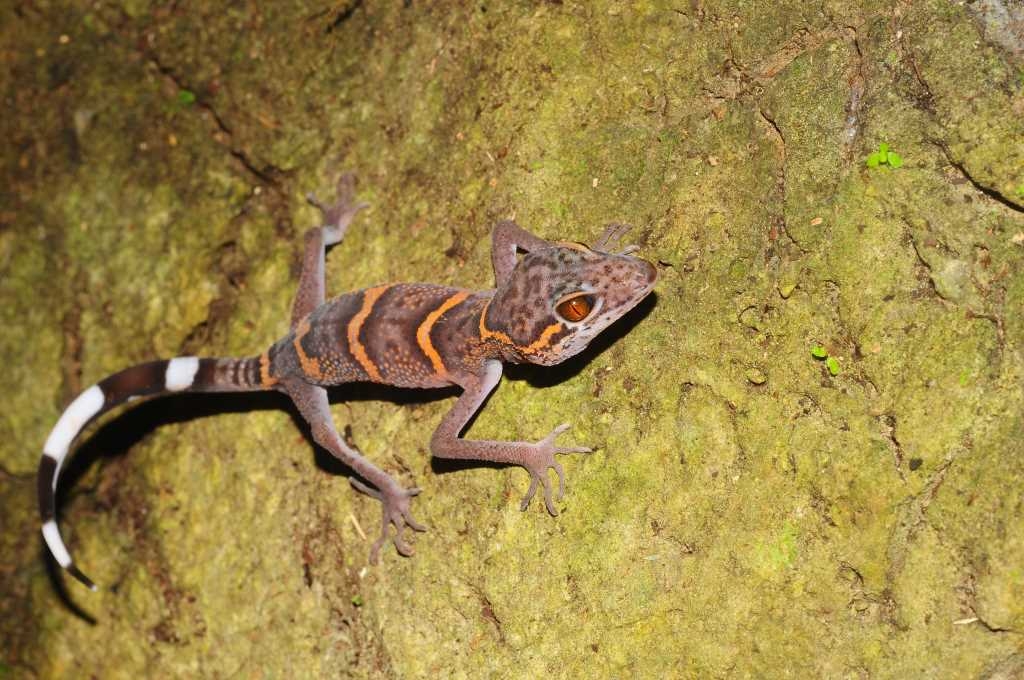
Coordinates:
(576,307)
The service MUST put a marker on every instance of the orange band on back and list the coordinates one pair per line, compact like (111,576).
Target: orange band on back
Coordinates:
(310,365)
(266,380)
(423,332)
(370,297)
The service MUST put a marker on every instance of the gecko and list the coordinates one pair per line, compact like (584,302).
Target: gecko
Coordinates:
(548,304)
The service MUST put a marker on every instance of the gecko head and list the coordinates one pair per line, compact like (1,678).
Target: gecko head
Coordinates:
(560,298)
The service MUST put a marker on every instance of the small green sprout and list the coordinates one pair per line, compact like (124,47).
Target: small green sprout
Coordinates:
(1020,191)
(819,352)
(357,600)
(884,156)
(186,97)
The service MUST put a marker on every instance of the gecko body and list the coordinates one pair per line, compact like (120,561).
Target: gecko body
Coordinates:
(547,306)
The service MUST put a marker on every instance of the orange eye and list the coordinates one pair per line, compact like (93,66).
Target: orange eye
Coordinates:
(575,309)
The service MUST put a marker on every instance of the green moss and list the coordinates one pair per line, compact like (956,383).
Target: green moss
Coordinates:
(780,552)
(841,519)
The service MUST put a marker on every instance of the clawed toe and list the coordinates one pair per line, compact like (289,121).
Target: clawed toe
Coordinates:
(540,478)
(534,480)
(395,510)
(338,214)
(542,460)
(363,488)
(610,238)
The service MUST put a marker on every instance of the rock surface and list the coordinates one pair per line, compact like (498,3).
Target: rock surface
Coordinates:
(862,524)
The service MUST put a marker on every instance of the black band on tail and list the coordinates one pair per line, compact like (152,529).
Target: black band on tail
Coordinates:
(180,374)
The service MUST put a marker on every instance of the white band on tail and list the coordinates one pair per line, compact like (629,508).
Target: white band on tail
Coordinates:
(71,422)
(181,372)
(52,537)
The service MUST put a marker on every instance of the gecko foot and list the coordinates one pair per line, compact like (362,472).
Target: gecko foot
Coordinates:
(611,237)
(540,460)
(339,214)
(395,502)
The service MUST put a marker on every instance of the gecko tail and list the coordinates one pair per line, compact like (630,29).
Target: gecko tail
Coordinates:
(181,374)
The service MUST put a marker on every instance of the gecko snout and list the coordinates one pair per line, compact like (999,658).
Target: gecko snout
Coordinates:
(643,276)
(649,273)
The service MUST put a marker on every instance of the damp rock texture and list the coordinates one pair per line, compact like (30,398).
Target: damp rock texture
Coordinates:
(809,446)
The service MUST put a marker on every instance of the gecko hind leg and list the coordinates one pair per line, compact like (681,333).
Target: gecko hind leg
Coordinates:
(394,513)
(337,217)
(311,401)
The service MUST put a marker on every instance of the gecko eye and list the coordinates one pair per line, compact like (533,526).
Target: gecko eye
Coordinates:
(576,308)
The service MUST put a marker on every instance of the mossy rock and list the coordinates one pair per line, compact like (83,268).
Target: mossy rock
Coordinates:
(746,512)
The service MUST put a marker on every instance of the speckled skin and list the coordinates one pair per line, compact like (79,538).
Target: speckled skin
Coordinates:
(425,335)
(319,350)
(409,335)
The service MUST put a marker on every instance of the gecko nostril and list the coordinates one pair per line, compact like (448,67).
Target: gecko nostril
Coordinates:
(650,273)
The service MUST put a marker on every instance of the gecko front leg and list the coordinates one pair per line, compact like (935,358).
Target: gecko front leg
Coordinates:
(507,238)
(337,217)
(537,458)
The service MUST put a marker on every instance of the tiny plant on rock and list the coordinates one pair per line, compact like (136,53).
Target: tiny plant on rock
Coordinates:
(819,352)
(884,157)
